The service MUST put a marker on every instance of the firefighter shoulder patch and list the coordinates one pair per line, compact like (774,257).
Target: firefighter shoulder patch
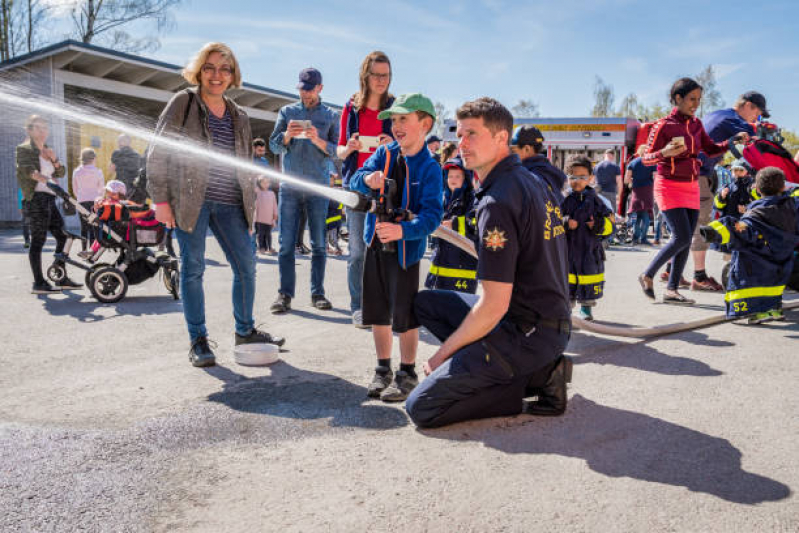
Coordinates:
(495,239)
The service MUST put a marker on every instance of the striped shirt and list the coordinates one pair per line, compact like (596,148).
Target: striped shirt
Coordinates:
(223,187)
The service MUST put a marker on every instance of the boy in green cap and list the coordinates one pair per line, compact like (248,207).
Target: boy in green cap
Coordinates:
(391,276)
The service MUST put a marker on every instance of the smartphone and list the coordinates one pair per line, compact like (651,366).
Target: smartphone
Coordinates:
(678,141)
(305,125)
(368,143)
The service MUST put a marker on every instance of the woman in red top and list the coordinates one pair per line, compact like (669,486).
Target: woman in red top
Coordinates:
(674,145)
(361,133)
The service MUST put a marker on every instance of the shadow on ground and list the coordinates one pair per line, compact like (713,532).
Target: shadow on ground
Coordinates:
(81,306)
(619,443)
(291,392)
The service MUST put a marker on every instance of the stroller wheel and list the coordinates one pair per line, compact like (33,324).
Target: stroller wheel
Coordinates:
(56,272)
(108,284)
(174,281)
(91,271)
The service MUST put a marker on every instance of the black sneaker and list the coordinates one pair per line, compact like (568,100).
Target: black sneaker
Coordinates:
(67,283)
(201,354)
(282,304)
(400,388)
(257,336)
(320,302)
(382,379)
(44,288)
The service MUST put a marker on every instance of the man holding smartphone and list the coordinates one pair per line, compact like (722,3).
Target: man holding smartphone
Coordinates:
(306,135)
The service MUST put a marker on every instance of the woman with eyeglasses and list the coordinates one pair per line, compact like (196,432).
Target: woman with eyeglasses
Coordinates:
(361,134)
(193,194)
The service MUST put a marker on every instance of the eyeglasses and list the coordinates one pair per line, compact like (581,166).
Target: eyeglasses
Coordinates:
(380,76)
(210,70)
(577,177)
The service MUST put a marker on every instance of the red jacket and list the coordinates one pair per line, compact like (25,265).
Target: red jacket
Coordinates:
(684,167)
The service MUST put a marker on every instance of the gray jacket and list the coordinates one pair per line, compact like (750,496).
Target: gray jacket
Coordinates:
(180,179)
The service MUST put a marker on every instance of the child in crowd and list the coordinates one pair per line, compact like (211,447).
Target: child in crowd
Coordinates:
(762,244)
(731,201)
(335,215)
(587,220)
(87,184)
(453,268)
(265,216)
(395,248)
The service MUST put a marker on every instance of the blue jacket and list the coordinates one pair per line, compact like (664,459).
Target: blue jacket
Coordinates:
(301,157)
(762,257)
(720,125)
(552,175)
(586,255)
(350,165)
(421,196)
(452,268)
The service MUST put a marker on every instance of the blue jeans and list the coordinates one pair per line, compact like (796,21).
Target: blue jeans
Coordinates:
(355,223)
(682,222)
(290,204)
(641,226)
(229,226)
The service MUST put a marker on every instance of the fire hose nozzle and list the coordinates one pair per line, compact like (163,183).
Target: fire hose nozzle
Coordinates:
(366,204)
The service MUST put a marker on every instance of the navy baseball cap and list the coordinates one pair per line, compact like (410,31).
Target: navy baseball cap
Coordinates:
(433,139)
(757,100)
(526,136)
(309,78)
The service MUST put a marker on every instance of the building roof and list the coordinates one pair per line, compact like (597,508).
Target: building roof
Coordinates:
(104,63)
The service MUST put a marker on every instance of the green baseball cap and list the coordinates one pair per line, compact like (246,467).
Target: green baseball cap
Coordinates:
(408,103)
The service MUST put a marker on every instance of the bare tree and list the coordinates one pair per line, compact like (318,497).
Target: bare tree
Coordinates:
(711,97)
(525,109)
(629,106)
(603,99)
(442,114)
(104,20)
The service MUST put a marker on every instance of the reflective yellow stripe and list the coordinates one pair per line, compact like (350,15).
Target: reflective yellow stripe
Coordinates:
(754,292)
(755,194)
(722,230)
(608,228)
(452,272)
(462,225)
(333,219)
(718,203)
(586,280)
(795,192)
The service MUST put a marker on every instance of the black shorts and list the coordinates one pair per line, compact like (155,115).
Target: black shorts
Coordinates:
(388,291)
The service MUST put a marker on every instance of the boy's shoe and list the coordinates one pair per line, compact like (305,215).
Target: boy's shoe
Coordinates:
(257,336)
(67,283)
(710,285)
(777,314)
(585,313)
(282,304)
(320,302)
(44,288)
(759,318)
(357,319)
(200,353)
(400,388)
(381,381)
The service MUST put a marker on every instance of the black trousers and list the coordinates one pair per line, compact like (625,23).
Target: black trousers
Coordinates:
(86,229)
(264,232)
(44,217)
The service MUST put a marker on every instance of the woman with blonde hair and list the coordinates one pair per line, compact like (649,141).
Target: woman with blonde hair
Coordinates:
(361,133)
(194,194)
(37,164)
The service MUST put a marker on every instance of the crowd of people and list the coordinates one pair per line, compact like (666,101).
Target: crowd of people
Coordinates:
(538,231)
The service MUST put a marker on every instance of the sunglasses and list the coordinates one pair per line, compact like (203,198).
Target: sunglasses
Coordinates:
(577,177)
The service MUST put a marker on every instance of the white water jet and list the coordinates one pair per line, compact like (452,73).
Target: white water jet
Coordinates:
(80,114)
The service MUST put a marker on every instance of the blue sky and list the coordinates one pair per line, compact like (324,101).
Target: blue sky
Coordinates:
(547,51)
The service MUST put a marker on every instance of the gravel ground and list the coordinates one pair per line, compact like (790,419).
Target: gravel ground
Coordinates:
(105,426)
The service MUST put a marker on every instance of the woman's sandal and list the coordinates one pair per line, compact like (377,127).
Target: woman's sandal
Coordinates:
(647,286)
(677,299)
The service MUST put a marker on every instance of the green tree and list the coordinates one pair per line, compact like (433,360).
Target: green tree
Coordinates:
(711,97)
(603,99)
(791,141)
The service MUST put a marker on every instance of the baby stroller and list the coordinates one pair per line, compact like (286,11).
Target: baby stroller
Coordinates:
(131,239)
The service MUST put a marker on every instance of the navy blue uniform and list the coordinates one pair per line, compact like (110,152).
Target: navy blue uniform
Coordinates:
(742,193)
(452,268)
(762,254)
(549,173)
(586,255)
(521,241)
